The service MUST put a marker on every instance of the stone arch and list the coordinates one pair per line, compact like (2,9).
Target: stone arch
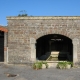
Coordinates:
(75,42)
(59,43)
(40,34)
(59,32)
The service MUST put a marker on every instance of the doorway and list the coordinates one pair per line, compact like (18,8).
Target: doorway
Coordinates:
(1,46)
(54,43)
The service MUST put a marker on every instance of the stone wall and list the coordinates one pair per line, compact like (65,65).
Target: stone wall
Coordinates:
(22,29)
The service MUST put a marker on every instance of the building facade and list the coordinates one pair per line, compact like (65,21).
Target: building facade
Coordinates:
(32,38)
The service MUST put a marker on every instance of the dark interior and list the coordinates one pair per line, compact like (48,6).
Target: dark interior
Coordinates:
(53,43)
(1,46)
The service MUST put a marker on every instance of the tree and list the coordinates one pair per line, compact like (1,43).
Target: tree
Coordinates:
(22,13)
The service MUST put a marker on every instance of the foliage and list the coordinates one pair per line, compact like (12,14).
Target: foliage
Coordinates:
(70,63)
(45,64)
(63,65)
(38,65)
(22,13)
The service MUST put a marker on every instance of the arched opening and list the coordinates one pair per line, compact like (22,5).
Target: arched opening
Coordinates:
(60,46)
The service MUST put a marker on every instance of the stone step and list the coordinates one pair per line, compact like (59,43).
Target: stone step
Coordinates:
(52,64)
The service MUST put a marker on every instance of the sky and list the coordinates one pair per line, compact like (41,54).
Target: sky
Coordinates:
(38,8)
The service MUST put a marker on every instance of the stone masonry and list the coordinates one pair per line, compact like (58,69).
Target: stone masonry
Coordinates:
(24,31)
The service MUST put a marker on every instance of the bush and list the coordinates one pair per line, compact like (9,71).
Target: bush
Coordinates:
(63,65)
(45,64)
(38,65)
(70,63)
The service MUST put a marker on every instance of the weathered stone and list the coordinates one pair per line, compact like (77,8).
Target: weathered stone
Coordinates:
(22,29)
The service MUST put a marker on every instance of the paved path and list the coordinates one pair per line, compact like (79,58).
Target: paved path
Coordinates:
(27,73)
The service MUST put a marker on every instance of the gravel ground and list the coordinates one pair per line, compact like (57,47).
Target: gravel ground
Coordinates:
(27,73)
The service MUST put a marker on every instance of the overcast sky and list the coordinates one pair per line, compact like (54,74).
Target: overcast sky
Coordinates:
(38,8)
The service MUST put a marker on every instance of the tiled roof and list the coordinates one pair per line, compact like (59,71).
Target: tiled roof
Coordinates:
(3,29)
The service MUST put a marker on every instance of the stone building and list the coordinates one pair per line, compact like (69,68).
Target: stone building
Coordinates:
(35,38)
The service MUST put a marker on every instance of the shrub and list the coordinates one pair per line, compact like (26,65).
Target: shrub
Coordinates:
(63,65)
(70,63)
(38,65)
(45,64)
